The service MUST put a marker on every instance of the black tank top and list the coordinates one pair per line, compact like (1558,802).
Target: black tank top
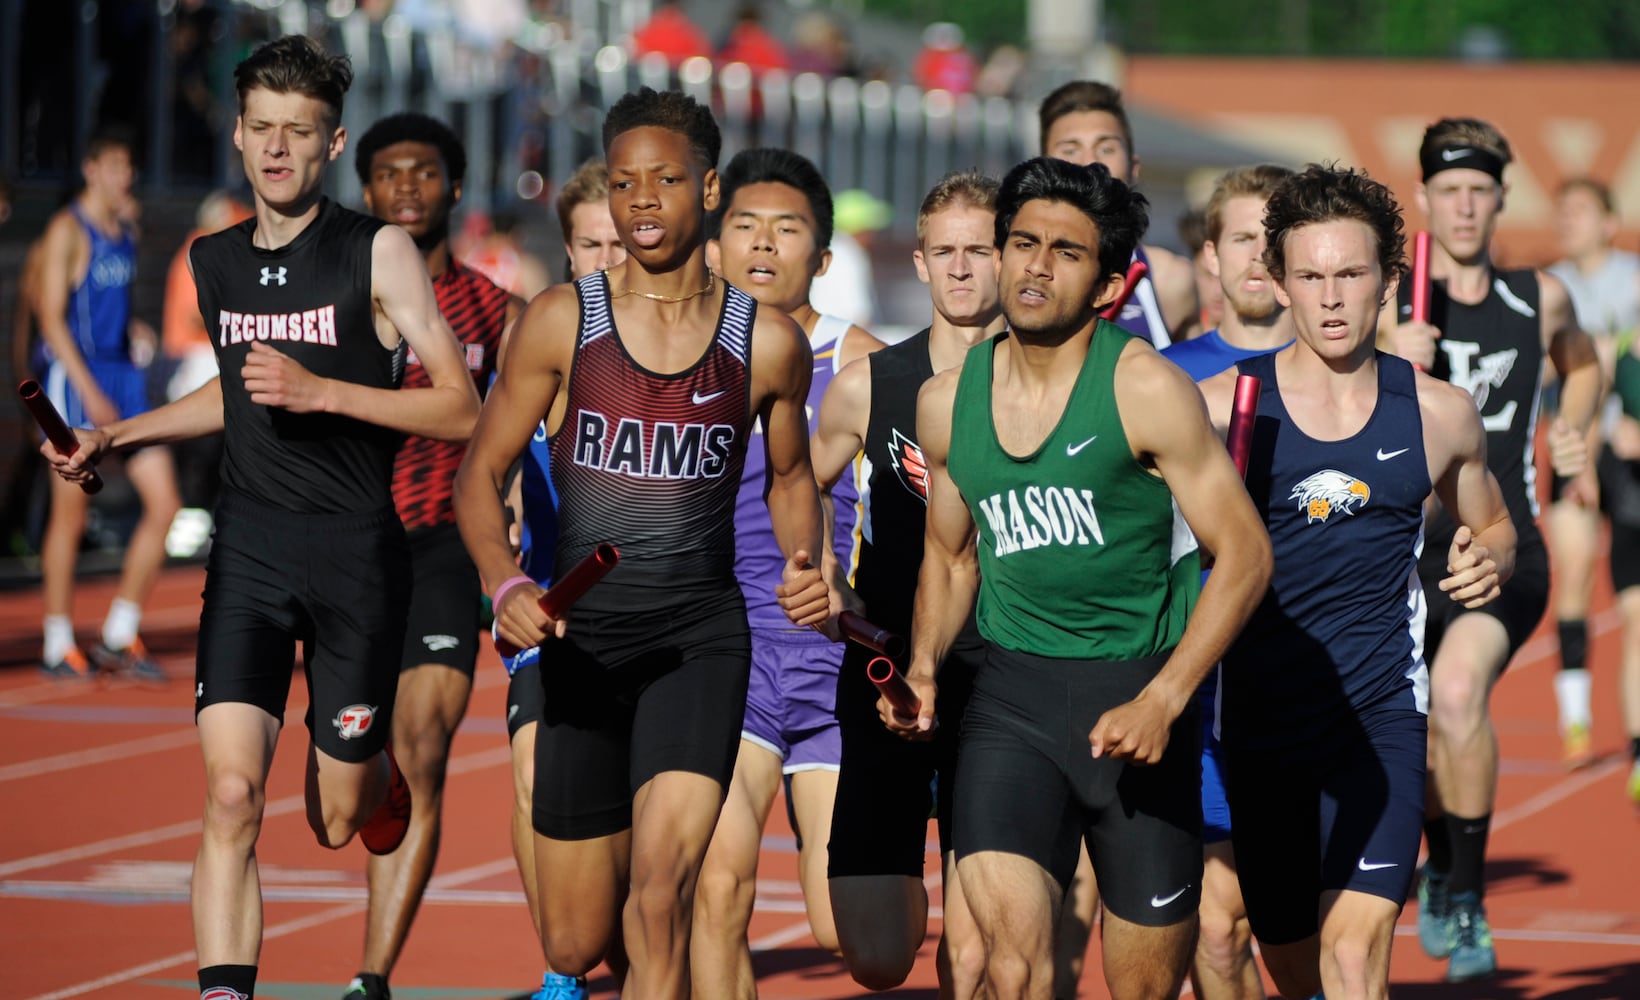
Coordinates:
(653,462)
(310,299)
(1494,350)
(894,483)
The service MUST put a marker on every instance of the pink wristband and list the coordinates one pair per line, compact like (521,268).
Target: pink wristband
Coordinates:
(507,585)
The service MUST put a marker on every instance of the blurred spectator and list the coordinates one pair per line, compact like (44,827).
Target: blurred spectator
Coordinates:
(1001,74)
(846,288)
(820,45)
(495,249)
(750,43)
(1209,291)
(183,336)
(670,32)
(943,63)
(196,116)
(5,200)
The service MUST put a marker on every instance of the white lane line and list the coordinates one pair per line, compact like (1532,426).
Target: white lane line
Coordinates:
(190,828)
(453,879)
(99,755)
(1562,789)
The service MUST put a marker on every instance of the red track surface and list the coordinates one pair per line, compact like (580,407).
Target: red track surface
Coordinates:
(102,793)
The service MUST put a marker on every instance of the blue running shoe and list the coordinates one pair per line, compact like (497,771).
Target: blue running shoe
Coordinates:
(1433,931)
(1472,954)
(556,987)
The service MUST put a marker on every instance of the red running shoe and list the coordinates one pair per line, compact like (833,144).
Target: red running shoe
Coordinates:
(384,831)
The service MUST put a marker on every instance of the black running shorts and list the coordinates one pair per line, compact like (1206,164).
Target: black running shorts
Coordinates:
(888,784)
(337,583)
(1028,784)
(631,696)
(1519,608)
(444,603)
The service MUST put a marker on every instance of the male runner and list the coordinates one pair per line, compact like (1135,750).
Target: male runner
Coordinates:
(1038,452)
(1604,283)
(411,168)
(648,433)
(1085,122)
(879,826)
(591,241)
(770,238)
(1620,497)
(312,308)
(1326,686)
(1254,323)
(591,244)
(1488,332)
(87,265)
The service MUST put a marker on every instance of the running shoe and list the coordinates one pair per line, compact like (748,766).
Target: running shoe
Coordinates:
(133,661)
(357,990)
(72,667)
(384,831)
(1433,932)
(1472,954)
(1576,746)
(556,987)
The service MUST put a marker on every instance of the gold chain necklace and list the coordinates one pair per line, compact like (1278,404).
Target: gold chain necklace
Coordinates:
(667,298)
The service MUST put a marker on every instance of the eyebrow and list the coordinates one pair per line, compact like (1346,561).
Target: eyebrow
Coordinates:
(1058,244)
(777,216)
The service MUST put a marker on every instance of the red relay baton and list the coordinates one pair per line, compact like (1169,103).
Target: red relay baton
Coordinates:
(52,425)
(1242,413)
(1135,273)
(571,587)
(892,685)
(1420,277)
(856,629)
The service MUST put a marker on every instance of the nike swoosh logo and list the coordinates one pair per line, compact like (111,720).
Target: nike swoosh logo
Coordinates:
(1453,154)
(1384,456)
(1372,866)
(700,398)
(1072,449)
(1160,901)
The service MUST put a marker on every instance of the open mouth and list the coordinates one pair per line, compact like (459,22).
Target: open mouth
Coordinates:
(648,234)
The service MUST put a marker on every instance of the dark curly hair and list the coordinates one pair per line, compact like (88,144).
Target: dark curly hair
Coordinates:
(411,126)
(1118,212)
(1323,193)
(672,110)
(775,166)
(296,64)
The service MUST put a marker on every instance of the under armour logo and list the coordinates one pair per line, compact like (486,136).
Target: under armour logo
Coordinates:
(273,275)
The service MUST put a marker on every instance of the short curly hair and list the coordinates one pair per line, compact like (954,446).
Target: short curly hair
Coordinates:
(1324,193)
(411,126)
(672,110)
(1117,210)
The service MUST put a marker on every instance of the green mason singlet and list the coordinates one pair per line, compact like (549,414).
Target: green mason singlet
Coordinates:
(1081,553)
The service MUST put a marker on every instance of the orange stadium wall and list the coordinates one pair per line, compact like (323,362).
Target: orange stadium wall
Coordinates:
(1561,120)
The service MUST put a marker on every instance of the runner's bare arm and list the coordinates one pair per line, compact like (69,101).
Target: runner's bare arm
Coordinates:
(783,366)
(1209,492)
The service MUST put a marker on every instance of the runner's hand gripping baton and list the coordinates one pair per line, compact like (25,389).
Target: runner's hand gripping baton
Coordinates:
(571,587)
(1242,412)
(891,685)
(881,670)
(52,425)
(1135,273)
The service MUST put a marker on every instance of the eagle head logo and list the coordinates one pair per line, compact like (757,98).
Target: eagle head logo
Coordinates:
(1328,492)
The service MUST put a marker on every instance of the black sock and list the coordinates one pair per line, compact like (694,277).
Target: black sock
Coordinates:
(1574,644)
(1468,852)
(1634,748)
(377,985)
(1440,845)
(239,978)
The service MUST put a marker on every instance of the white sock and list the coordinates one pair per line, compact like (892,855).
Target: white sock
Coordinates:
(120,627)
(1572,689)
(59,638)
